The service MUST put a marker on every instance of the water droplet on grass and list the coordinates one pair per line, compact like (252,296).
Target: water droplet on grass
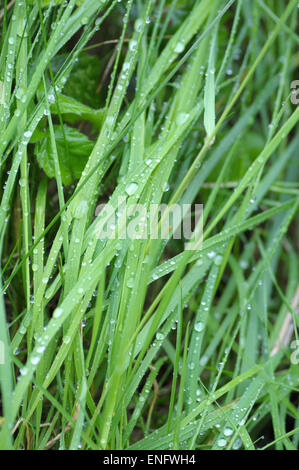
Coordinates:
(24,371)
(138,25)
(199,326)
(221,442)
(133,45)
(179,47)
(228,431)
(22,329)
(131,188)
(218,260)
(35,360)
(159,336)
(19,93)
(58,312)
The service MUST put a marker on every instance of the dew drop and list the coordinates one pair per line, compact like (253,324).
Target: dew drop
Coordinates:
(58,312)
(24,371)
(138,25)
(228,432)
(199,326)
(35,360)
(179,47)
(27,134)
(218,260)
(221,442)
(131,188)
(133,45)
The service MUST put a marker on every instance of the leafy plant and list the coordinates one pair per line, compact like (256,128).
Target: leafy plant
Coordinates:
(73,149)
(84,79)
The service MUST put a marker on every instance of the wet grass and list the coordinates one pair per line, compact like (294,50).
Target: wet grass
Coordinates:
(142,343)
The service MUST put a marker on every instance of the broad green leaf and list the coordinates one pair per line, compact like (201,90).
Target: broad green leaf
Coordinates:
(84,79)
(75,111)
(72,157)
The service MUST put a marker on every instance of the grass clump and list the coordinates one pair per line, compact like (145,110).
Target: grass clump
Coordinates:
(137,343)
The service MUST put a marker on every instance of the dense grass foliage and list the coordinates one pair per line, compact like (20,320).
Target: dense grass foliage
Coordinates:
(142,343)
